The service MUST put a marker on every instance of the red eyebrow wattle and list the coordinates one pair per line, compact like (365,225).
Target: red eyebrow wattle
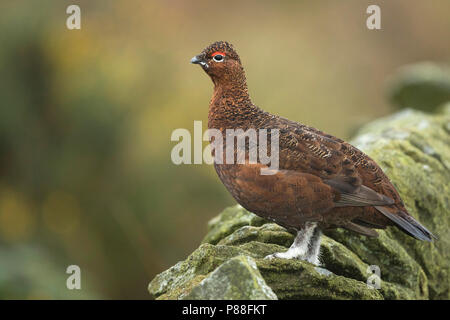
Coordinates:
(216,53)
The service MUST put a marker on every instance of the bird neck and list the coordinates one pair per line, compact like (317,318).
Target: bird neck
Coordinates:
(230,106)
(236,93)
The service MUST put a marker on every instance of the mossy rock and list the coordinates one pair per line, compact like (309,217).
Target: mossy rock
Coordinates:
(413,149)
(235,279)
(198,275)
(424,86)
(228,221)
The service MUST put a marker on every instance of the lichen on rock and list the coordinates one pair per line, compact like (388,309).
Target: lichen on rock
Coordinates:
(235,279)
(228,221)
(413,148)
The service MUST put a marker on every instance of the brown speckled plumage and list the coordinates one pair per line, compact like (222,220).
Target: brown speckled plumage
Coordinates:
(321,179)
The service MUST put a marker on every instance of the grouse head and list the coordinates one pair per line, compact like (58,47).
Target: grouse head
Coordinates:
(221,62)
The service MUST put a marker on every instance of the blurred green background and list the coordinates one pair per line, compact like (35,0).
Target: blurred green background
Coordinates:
(86,117)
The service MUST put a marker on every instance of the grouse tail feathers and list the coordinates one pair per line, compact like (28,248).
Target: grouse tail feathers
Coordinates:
(407,223)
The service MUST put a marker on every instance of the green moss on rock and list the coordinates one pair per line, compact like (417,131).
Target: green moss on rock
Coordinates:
(413,149)
(235,279)
(296,279)
(340,260)
(228,221)
(268,233)
(201,262)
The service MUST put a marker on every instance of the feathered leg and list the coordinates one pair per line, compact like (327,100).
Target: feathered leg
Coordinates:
(313,253)
(300,248)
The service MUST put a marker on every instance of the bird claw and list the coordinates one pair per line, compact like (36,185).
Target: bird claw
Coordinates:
(281,255)
(271,256)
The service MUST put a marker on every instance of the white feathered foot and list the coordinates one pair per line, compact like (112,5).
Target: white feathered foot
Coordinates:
(306,245)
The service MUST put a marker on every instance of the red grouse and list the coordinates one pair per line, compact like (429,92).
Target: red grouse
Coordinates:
(322,182)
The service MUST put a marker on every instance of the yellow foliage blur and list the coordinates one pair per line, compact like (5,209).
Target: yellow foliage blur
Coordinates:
(17,222)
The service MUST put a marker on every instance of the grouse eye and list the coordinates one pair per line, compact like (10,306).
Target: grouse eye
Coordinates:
(218,58)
